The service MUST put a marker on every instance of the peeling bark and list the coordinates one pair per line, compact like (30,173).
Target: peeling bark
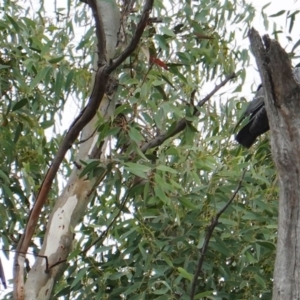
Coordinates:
(71,205)
(282,100)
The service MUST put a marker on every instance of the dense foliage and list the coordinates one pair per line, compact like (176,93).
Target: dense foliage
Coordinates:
(147,221)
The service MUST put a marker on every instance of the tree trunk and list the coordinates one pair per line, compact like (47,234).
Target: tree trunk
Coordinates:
(282,100)
(70,206)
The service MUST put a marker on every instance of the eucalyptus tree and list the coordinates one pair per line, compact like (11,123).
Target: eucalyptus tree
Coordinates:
(145,195)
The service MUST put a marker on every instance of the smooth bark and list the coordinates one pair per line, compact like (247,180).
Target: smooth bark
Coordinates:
(71,204)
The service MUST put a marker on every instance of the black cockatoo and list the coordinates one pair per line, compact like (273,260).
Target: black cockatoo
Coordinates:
(258,123)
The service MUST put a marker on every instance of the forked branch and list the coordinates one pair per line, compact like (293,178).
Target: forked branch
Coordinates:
(102,76)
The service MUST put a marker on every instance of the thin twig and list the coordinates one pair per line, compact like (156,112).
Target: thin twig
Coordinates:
(217,87)
(210,230)
(48,267)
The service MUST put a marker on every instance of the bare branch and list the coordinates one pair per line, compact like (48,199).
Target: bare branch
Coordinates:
(210,230)
(217,88)
(101,39)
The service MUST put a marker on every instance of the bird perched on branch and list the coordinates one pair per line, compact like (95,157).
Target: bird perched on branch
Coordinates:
(258,122)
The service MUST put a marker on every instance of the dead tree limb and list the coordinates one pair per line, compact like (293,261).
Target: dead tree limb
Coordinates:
(282,101)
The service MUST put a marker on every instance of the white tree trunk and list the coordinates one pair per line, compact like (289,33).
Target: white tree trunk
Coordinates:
(70,206)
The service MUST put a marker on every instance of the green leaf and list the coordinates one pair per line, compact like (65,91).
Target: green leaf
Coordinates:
(138,169)
(79,276)
(39,77)
(56,59)
(220,246)
(18,131)
(58,84)
(186,203)
(204,294)
(14,23)
(20,104)
(135,135)
(4,176)
(132,288)
(69,80)
(7,192)
(47,124)
(281,12)
(140,153)
(159,192)
(185,274)
(89,167)
(266,244)
(166,169)
(260,280)
(167,31)
(4,67)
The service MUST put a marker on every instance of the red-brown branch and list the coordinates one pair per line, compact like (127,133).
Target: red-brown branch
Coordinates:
(102,75)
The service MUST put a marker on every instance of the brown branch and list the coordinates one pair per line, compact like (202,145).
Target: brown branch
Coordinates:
(181,124)
(217,87)
(100,33)
(79,123)
(210,230)
(136,37)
